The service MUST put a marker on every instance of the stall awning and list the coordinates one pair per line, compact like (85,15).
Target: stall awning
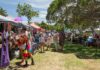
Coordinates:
(35,26)
(11,20)
(3,18)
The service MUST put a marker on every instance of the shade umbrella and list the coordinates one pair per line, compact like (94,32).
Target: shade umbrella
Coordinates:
(18,19)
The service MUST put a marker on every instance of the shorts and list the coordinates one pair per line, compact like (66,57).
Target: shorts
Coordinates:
(42,44)
(25,53)
(30,50)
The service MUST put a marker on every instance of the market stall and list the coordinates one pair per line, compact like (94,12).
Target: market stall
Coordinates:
(6,24)
(36,27)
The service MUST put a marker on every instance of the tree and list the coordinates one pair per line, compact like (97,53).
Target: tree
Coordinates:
(3,12)
(45,25)
(79,14)
(88,13)
(26,10)
(59,11)
(55,10)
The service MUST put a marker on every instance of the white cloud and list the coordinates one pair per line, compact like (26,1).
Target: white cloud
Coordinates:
(39,19)
(45,6)
(39,3)
(42,16)
(43,12)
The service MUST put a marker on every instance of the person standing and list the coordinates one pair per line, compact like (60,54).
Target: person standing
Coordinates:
(29,47)
(42,42)
(61,39)
(26,48)
(36,39)
(56,40)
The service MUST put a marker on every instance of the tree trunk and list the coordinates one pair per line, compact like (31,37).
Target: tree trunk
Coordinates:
(93,31)
(80,30)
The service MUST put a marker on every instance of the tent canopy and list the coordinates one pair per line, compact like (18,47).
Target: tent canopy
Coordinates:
(17,20)
(3,18)
(35,26)
(10,20)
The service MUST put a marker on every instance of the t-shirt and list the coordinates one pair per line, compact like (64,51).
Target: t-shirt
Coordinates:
(37,38)
(55,37)
(6,34)
(90,39)
(42,39)
(26,33)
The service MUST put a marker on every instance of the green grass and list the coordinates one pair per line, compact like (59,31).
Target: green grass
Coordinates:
(74,57)
(82,51)
(81,57)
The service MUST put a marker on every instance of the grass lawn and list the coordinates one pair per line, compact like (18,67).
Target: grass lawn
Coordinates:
(74,57)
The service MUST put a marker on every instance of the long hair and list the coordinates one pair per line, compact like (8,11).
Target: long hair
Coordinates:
(1,27)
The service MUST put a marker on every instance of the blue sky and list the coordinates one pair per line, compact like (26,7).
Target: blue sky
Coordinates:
(39,5)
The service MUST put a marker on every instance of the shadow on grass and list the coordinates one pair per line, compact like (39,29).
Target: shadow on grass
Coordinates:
(22,66)
(12,68)
(82,52)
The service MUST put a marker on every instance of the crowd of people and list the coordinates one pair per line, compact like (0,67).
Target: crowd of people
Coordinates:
(85,39)
(23,42)
(47,38)
(28,42)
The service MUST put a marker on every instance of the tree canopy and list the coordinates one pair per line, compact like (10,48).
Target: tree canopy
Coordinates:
(26,10)
(79,14)
(3,12)
(47,26)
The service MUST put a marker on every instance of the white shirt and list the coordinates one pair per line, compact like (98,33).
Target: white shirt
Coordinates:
(26,33)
